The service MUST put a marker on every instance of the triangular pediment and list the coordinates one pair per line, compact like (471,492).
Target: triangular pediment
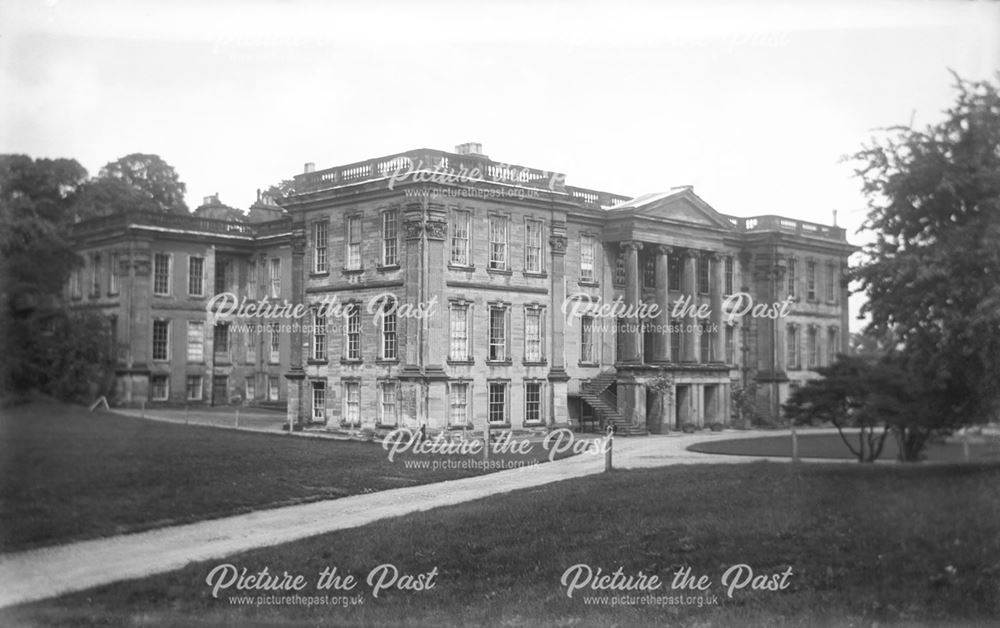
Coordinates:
(678,206)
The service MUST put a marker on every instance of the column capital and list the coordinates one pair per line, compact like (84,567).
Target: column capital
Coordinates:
(558,244)
(663,249)
(713,255)
(633,245)
(691,253)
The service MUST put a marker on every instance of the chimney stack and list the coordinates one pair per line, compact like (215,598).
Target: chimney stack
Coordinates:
(310,167)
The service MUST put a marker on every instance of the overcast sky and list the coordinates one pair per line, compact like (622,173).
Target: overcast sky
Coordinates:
(753,103)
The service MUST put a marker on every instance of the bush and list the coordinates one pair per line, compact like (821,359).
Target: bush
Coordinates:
(716,427)
(688,428)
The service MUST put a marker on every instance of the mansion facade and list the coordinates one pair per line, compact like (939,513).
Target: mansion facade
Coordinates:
(452,291)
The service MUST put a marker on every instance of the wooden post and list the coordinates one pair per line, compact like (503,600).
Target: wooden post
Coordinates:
(608,447)
(486,442)
(185,414)
(143,402)
(237,417)
(965,443)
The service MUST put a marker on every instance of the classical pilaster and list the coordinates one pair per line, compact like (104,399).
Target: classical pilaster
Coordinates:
(413,233)
(559,413)
(689,291)
(661,340)
(632,339)
(295,375)
(436,325)
(717,352)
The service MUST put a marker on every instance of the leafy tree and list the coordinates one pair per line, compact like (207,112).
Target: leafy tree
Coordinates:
(152,177)
(103,196)
(842,397)
(932,275)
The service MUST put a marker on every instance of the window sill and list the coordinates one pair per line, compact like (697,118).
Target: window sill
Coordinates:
(535,362)
(387,361)
(536,275)
(500,271)
(349,361)
(588,365)
(499,426)
(587,283)
(499,362)
(461,268)
(387,268)
(468,362)
(112,294)
(319,273)
(314,361)
(386,426)
(352,271)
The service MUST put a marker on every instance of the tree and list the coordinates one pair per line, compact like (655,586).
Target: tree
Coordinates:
(152,177)
(36,199)
(842,397)
(932,275)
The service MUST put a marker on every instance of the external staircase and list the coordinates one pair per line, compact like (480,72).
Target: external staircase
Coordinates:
(598,393)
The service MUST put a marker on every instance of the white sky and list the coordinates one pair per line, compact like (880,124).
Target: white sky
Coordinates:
(751,102)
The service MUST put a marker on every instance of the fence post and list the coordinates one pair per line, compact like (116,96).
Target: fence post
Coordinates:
(608,446)
(237,417)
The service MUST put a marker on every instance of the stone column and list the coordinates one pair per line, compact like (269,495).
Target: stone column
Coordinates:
(661,346)
(717,352)
(295,375)
(633,297)
(689,292)
(559,412)
(139,324)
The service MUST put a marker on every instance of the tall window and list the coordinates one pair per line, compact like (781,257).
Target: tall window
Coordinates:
(649,272)
(498,333)
(75,289)
(812,346)
(674,272)
(832,344)
(831,280)
(497,407)
(95,274)
(196,276)
(533,341)
(161,340)
(587,353)
(811,280)
(352,403)
(675,343)
(791,277)
(194,387)
(275,277)
(705,346)
(273,391)
(533,402)
(390,237)
(114,267)
(458,404)
(620,274)
(250,388)
(728,274)
(251,344)
(196,341)
(252,279)
(321,241)
(223,275)
(319,401)
(587,248)
(533,246)
(730,341)
(704,263)
(353,257)
(458,333)
(387,403)
(387,331)
(273,343)
(221,341)
(353,332)
(161,274)
(161,387)
(460,223)
(499,242)
(319,337)
(793,346)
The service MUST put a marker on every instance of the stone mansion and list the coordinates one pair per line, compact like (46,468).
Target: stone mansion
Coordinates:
(453,291)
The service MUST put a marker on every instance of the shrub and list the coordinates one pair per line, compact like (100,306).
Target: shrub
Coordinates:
(688,428)
(716,427)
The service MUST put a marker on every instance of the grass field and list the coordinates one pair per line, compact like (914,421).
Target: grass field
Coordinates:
(830,446)
(68,474)
(867,545)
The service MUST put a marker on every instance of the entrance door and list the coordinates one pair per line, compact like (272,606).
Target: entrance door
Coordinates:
(220,390)
(682,405)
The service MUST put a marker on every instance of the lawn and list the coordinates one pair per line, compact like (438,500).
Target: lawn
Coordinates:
(830,446)
(68,474)
(866,544)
